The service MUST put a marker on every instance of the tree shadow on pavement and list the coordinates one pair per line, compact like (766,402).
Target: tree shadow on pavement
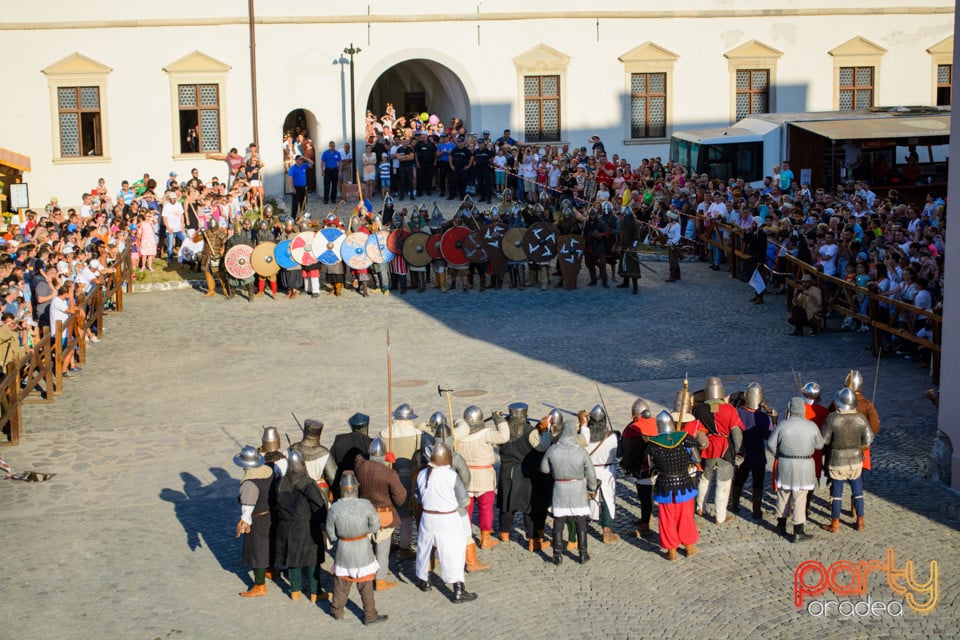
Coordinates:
(208,514)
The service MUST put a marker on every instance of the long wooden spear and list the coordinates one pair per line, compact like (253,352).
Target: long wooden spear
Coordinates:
(389,398)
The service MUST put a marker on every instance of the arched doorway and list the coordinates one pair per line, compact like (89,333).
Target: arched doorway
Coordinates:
(418,85)
(300,133)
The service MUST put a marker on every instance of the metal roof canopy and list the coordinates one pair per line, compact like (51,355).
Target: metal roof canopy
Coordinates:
(879,128)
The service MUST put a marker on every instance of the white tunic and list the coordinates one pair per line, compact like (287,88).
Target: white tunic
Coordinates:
(604,458)
(441,530)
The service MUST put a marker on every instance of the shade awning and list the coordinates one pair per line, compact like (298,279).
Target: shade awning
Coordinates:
(879,128)
(14,160)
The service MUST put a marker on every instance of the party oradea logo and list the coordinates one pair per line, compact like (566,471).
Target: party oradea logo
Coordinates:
(851,581)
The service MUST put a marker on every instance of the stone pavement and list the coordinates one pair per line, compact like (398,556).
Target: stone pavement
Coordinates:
(134,536)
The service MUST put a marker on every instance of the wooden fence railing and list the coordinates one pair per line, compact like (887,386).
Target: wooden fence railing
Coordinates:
(39,376)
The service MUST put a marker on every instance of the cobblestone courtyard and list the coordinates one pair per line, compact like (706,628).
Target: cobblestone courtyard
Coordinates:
(134,537)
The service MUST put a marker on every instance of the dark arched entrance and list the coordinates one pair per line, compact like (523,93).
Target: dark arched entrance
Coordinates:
(301,126)
(418,85)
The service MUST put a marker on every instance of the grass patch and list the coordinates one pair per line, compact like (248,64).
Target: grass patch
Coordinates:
(161,273)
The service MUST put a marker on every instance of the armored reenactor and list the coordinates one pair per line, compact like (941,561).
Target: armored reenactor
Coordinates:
(350,523)
(380,271)
(612,256)
(519,462)
(792,444)
(725,436)
(334,273)
(301,517)
(629,259)
(347,446)
(816,412)
(382,487)
(634,460)
(291,279)
(602,447)
(442,494)
(475,442)
(407,448)
(847,432)
(316,457)
(459,273)
(243,236)
(595,234)
(854,380)
(254,524)
(264,232)
(211,259)
(516,268)
(672,454)
(574,485)
(756,429)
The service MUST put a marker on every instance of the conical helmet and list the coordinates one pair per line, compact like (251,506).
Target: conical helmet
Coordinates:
(640,408)
(439,426)
(845,399)
(854,380)
(597,413)
(349,484)
(377,449)
(665,423)
(811,391)
(441,456)
(295,462)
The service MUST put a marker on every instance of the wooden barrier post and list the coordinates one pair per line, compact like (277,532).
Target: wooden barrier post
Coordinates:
(58,352)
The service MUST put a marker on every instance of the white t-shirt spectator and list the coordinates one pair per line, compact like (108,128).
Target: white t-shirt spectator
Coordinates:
(86,211)
(58,313)
(828,258)
(172,216)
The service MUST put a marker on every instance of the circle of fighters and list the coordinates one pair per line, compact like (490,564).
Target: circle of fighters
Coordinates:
(384,250)
(299,502)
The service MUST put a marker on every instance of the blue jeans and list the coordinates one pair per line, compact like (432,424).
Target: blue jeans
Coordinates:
(836,496)
(171,241)
(715,236)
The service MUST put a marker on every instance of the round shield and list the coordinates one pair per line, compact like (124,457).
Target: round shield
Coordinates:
(300,248)
(353,250)
(492,236)
(377,249)
(571,257)
(263,261)
(512,244)
(473,247)
(395,240)
(237,261)
(326,245)
(451,246)
(415,249)
(433,246)
(282,255)
(540,242)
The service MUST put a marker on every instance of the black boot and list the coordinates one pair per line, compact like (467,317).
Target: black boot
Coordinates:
(624,284)
(799,535)
(735,493)
(582,539)
(557,557)
(363,289)
(758,299)
(635,286)
(460,594)
(424,585)
(782,526)
(757,505)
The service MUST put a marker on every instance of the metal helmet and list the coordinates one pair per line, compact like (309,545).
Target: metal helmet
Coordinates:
(270,441)
(683,403)
(212,224)
(714,389)
(845,399)
(495,211)
(441,456)
(304,225)
(474,417)
(295,462)
(349,487)
(359,422)
(378,449)
(404,412)
(518,410)
(665,423)
(312,428)
(753,396)
(607,207)
(640,408)
(854,380)
(556,417)
(597,413)
(248,458)
(438,424)
(331,219)
(811,391)
(263,225)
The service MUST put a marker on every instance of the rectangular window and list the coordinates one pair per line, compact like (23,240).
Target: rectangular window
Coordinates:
(648,105)
(80,128)
(753,92)
(944,84)
(199,118)
(541,108)
(856,88)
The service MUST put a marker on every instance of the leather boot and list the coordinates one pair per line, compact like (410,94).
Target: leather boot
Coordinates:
(442,279)
(758,505)
(294,595)
(460,594)
(782,526)
(487,541)
(339,287)
(758,299)
(322,596)
(624,284)
(833,527)
(473,564)
(609,536)
(423,283)
(363,290)
(483,283)
(557,558)
(424,585)
(384,585)
(635,286)
(584,556)
(333,289)
(255,591)
(860,525)
(544,541)
(671,554)
(211,285)
(504,536)
(799,535)
(734,504)
(691,550)
(251,292)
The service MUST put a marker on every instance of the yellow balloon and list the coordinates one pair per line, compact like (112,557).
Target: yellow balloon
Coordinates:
(424,116)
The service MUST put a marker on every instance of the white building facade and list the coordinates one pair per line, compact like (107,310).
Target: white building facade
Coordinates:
(112,89)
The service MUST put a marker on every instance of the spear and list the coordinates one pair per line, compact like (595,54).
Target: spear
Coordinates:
(389,398)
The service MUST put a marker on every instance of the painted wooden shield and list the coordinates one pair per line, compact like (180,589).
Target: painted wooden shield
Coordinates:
(377,248)
(451,246)
(326,245)
(571,257)
(395,240)
(433,246)
(282,255)
(512,244)
(540,242)
(415,249)
(492,237)
(354,250)
(263,260)
(300,248)
(473,247)
(237,261)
